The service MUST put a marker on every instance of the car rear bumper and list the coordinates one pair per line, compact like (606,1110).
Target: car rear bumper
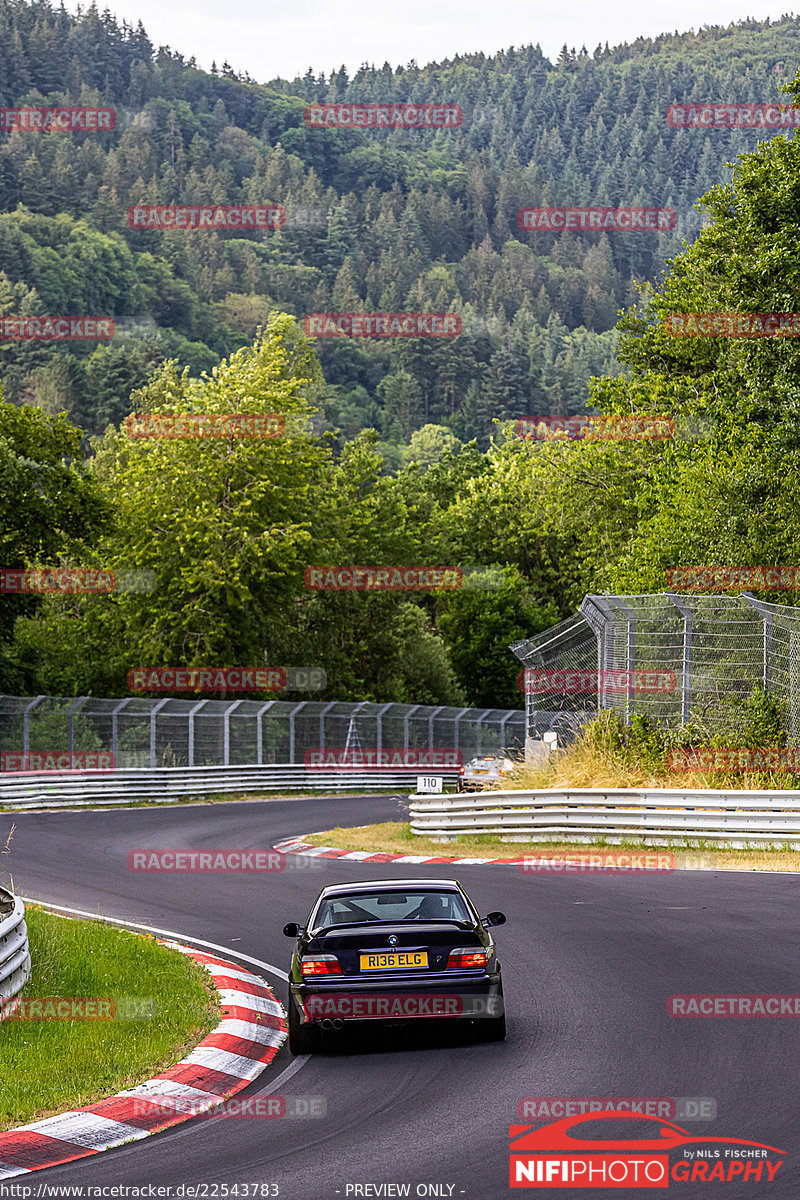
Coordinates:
(399,1000)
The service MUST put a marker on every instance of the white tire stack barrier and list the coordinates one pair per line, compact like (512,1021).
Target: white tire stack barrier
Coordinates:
(15,955)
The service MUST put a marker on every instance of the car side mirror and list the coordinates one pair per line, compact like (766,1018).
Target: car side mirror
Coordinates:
(292,929)
(494,918)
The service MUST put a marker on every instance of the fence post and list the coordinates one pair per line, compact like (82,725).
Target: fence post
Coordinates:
(76,706)
(686,686)
(457,727)
(406,719)
(630,651)
(766,618)
(379,725)
(190,738)
(226,732)
(438,708)
(260,731)
(115,725)
(296,708)
(481,718)
(157,706)
(26,726)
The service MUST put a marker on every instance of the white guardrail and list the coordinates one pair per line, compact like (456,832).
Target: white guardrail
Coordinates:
(660,816)
(166,784)
(15,957)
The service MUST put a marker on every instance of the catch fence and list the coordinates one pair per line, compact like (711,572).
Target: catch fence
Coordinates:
(669,656)
(203,733)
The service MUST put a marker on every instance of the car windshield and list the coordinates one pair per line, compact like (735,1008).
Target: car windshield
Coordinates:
(391,906)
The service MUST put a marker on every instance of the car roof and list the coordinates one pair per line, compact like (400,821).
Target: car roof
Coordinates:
(393,885)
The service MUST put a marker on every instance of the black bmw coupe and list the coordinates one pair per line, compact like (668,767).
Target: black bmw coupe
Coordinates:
(393,950)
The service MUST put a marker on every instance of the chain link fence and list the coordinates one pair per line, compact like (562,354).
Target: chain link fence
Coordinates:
(668,656)
(197,733)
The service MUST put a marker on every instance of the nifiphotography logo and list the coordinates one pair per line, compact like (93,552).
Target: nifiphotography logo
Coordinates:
(650,1153)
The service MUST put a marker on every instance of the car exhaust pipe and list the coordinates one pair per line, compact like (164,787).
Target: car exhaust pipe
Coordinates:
(337,1023)
(328,1023)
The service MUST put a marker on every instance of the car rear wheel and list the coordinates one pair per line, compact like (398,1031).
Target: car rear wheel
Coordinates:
(303,1039)
(493,1029)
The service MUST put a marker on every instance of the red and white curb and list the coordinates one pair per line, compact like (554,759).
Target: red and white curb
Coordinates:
(234,1054)
(297,846)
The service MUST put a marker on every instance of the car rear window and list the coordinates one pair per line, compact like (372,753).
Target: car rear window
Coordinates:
(392,906)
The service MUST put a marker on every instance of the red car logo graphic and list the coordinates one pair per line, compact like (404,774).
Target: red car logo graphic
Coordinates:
(557,1156)
(557,1137)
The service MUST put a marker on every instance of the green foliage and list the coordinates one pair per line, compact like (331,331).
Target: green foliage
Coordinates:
(375,221)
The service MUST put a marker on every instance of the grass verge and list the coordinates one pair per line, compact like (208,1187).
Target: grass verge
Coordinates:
(52,1066)
(395,837)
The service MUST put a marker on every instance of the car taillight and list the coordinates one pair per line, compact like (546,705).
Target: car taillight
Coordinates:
(468,957)
(461,770)
(321,964)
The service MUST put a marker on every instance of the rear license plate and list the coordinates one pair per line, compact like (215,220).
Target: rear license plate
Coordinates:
(480,771)
(394,960)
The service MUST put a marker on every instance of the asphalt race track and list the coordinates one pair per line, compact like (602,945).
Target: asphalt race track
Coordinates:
(588,965)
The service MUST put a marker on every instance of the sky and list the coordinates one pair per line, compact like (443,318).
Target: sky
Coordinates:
(271,40)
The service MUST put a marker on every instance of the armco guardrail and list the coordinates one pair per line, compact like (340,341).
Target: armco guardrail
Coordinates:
(734,818)
(166,784)
(15,957)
